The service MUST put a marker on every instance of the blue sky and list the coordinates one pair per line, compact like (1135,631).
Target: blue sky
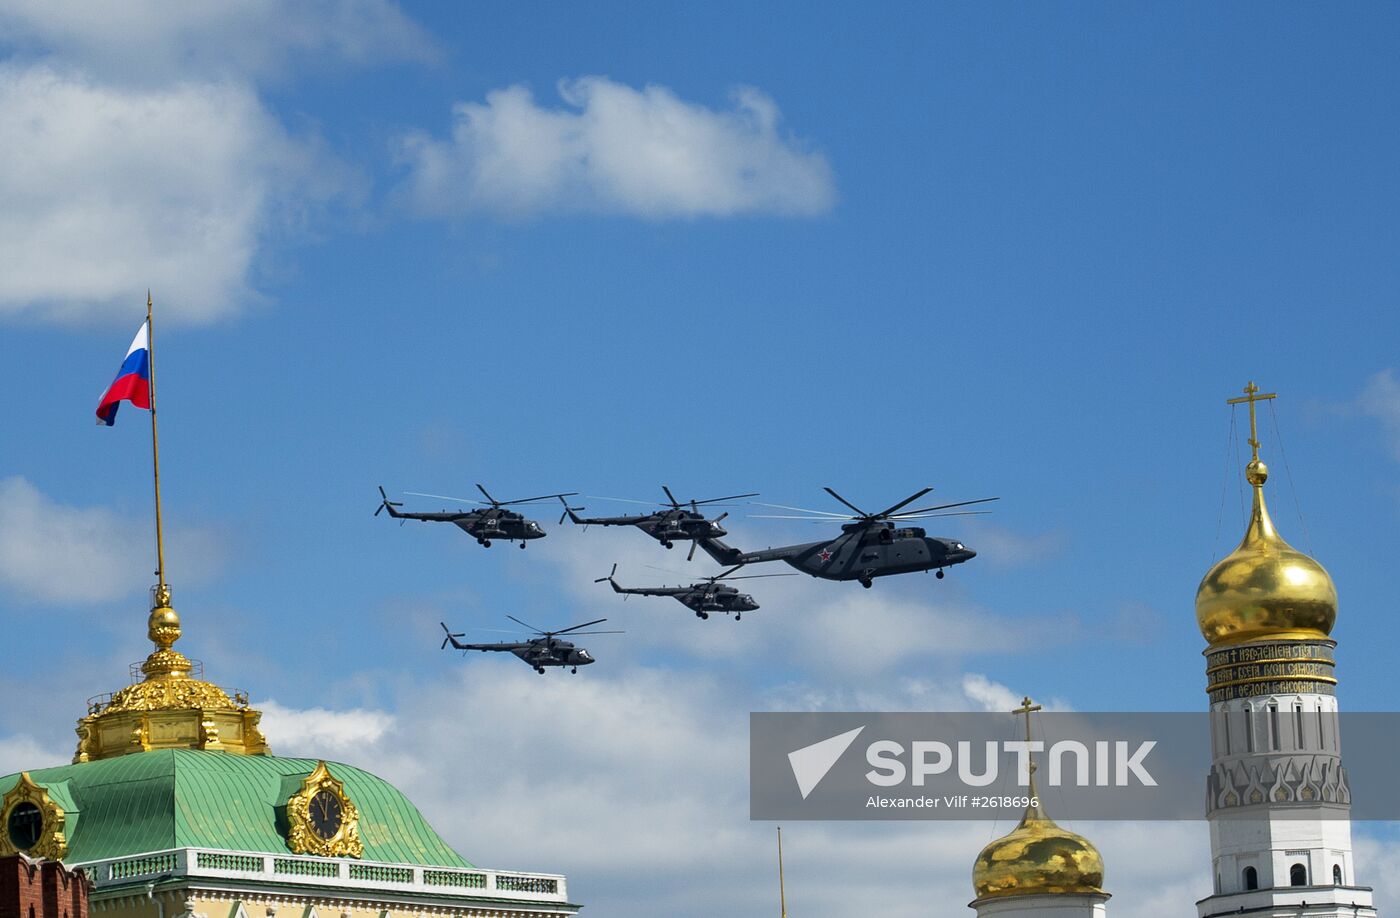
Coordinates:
(1024,251)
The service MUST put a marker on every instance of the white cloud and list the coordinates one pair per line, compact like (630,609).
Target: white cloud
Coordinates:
(140,41)
(1003,548)
(317,731)
(1377,848)
(106,191)
(20,752)
(56,553)
(1380,401)
(615,149)
(633,782)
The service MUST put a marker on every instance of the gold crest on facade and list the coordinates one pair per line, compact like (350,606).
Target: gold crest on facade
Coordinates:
(322,819)
(31,823)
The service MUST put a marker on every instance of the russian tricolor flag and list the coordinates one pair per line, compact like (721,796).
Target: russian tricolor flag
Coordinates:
(133,382)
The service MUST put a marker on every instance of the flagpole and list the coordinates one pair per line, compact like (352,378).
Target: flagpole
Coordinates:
(162,594)
(782,888)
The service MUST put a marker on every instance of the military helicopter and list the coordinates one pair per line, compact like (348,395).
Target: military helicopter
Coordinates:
(539,652)
(483,524)
(704,596)
(870,544)
(677,521)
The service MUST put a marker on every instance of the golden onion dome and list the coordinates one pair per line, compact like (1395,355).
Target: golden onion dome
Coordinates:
(1038,858)
(1265,589)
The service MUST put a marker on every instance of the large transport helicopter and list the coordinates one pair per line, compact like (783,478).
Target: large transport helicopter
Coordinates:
(702,597)
(491,521)
(677,521)
(539,652)
(870,544)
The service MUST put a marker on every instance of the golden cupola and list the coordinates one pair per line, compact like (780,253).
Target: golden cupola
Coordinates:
(1037,858)
(170,707)
(1265,589)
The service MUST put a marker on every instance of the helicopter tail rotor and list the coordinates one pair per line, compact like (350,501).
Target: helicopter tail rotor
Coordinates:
(385,503)
(447,640)
(609,579)
(570,513)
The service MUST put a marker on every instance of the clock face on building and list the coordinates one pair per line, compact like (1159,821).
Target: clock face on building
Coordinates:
(326,814)
(25,826)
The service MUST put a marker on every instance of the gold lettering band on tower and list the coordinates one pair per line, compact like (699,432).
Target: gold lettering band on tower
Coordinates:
(1271,668)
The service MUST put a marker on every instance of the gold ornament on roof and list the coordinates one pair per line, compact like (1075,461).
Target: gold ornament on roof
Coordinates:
(1265,589)
(322,819)
(28,802)
(1037,857)
(170,708)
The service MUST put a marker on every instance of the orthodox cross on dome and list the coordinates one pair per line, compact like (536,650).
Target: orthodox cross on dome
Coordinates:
(1251,395)
(1027,708)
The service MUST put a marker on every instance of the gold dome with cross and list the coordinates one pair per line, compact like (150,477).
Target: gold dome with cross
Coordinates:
(1265,589)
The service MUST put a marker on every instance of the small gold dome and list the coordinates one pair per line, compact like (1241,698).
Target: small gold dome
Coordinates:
(1265,589)
(1038,858)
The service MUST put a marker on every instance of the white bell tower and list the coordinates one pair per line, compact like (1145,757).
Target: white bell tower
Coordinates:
(1278,801)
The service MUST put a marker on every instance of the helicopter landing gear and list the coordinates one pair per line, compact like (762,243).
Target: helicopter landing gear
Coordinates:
(703,615)
(522,546)
(866,582)
(738,616)
(938,573)
(540,670)
(486,543)
(669,544)
(574,671)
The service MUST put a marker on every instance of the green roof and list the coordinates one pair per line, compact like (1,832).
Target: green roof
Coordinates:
(189,798)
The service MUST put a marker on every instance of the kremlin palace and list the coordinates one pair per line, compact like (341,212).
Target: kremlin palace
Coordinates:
(174,807)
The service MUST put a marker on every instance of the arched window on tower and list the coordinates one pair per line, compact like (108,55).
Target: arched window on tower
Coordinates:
(1297,875)
(1251,878)
(1336,874)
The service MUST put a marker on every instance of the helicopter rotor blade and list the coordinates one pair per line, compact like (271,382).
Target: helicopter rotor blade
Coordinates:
(622,500)
(931,516)
(843,500)
(609,577)
(530,500)
(810,519)
(460,500)
(716,500)
(757,576)
(577,627)
(576,634)
(671,497)
(886,514)
(526,624)
(492,500)
(690,555)
(826,513)
(961,503)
